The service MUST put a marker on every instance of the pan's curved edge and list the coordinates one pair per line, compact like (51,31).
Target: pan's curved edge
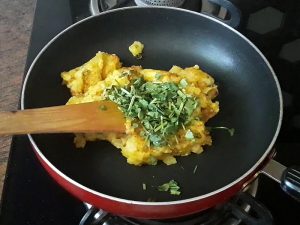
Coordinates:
(169,203)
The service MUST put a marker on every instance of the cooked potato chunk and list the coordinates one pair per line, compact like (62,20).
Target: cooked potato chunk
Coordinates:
(136,49)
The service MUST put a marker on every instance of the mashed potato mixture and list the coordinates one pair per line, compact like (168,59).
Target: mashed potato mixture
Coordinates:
(165,111)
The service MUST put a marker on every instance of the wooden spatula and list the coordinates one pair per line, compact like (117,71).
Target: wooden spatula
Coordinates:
(99,117)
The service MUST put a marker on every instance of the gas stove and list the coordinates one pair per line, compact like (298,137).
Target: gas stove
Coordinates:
(30,196)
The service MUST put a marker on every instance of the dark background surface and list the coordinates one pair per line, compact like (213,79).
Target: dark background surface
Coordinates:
(31,197)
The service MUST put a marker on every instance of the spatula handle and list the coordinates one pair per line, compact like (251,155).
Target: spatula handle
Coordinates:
(101,116)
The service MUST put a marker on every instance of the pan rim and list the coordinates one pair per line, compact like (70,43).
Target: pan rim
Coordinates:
(162,203)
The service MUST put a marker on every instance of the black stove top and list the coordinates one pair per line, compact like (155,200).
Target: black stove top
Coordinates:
(31,197)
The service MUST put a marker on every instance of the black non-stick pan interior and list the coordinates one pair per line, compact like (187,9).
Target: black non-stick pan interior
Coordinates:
(248,96)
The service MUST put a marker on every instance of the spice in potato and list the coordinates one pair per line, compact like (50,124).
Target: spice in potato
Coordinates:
(165,111)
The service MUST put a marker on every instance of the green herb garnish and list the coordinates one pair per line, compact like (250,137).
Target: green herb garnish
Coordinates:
(183,83)
(103,107)
(230,130)
(159,109)
(144,187)
(195,169)
(171,186)
(158,76)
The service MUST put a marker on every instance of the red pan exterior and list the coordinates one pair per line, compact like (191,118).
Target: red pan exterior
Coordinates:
(149,211)
(155,210)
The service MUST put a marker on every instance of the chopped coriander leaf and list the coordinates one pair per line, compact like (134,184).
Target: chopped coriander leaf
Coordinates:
(195,169)
(230,130)
(171,186)
(183,83)
(189,135)
(164,187)
(180,93)
(103,107)
(144,186)
(126,92)
(160,108)
(174,192)
(158,76)
(135,125)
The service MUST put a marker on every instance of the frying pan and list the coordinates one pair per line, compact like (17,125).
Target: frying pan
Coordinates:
(250,101)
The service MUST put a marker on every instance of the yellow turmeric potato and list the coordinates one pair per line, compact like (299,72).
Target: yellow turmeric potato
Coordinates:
(98,78)
(136,49)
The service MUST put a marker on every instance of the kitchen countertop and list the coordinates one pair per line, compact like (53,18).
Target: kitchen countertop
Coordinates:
(15,27)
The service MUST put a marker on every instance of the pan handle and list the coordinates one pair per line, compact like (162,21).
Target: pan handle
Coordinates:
(227,6)
(289,178)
